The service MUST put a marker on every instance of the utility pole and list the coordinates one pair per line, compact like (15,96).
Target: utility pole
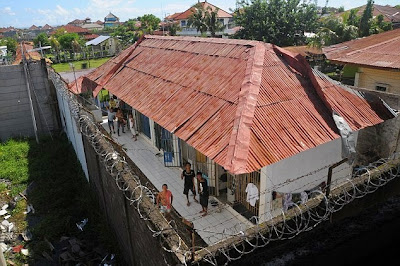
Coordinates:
(25,63)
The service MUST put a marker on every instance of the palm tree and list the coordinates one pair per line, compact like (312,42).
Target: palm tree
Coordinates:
(56,46)
(212,22)
(197,19)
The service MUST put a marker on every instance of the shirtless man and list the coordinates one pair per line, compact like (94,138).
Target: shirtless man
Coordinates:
(165,198)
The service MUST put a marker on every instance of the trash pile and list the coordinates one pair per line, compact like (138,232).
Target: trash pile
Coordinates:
(12,242)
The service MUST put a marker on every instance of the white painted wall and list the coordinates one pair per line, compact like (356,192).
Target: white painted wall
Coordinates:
(283,176)
(70,128)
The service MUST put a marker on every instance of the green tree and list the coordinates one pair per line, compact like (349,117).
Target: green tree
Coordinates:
(41,39)
(149,23)
(173,28)
(365,22)
(197,20)
(11,44)
(282,22)
(353,18)
(340,9)
(55,45)
(128,33)
(212,22)
(68,40)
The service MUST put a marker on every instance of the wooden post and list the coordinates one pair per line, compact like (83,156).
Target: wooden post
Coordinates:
(328,183)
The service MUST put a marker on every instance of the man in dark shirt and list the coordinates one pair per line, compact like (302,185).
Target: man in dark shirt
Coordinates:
(189,176)
(203,192)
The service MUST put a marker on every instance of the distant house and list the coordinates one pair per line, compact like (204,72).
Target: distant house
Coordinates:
(105,45)
(390,14)
(376,60)
(77,22)
(47,27)
(69,28)
(182,19)
(33,27)
(111,20)
(93,26)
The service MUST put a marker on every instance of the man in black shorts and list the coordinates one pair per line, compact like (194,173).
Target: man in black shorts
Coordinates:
(189,176)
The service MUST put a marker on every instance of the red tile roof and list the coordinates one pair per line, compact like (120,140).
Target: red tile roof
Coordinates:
(74,29)
(32,55)
(380,50)
(47,27)
(173,16)
(90,36)
(189,12)
(244,104)
(33,27)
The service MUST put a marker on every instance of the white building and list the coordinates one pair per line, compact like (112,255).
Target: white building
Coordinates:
(183,19)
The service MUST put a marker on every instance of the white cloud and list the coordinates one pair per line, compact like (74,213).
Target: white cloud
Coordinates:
(7,10)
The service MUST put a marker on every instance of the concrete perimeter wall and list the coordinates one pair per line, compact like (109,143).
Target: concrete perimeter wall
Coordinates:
(15,114)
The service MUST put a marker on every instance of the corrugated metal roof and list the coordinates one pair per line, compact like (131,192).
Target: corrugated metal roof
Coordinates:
(379,50)
(244,104)
(98,40)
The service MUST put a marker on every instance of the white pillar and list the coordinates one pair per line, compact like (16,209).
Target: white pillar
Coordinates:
(152,132)
(265,198)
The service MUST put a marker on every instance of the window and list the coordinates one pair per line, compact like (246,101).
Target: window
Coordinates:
(183,23)
(382,87)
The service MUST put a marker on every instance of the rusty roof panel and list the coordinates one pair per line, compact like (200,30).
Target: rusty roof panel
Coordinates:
(379,50)
(244,104)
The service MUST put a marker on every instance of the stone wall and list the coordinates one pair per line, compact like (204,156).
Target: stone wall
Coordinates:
(15,114)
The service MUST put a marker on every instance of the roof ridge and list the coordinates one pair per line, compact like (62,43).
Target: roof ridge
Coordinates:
(239,144)
(207,40)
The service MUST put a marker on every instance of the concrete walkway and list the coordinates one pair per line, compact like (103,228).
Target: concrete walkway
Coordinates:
(69,76)
(211,227)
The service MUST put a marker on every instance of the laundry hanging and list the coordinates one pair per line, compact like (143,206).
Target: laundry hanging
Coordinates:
(252,194)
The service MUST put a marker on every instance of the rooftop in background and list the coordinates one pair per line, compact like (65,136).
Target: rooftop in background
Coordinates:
(390,13)
(73,29)
(379,50)
(304,50)
(186,14)
(243,104)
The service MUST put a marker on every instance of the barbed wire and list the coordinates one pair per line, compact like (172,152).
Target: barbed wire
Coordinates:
(268,226)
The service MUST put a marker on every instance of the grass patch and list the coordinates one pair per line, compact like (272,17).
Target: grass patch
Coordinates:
(94,63)
(59,192)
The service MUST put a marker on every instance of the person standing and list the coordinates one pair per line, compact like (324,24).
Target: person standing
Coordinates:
(203,192)
(188,176)
(165,197)
(132,126)
(112,103)
(120,121)
(111,117)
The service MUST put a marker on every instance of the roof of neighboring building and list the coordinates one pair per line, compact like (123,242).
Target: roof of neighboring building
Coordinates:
(92,26)
(47,27)
(99,22)
(33,27)
(111,15)
(390,13)
(173,16)
(77,21)
(98,40)
(380,50)
(90,37)
(304,50)
(244,104)
(189,12)
(74,29)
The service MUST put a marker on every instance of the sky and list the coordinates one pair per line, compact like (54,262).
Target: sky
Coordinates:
(24,13)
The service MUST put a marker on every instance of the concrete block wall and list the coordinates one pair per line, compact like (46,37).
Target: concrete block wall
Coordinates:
(15,114)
